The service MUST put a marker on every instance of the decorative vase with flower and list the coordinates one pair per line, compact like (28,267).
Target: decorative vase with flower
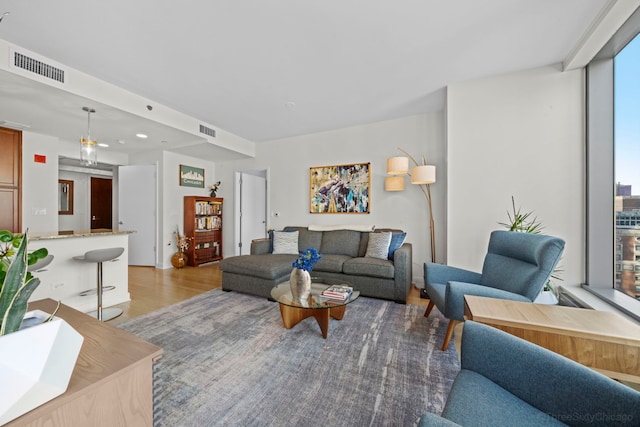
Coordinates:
(300,279)
(213,189)
(179,259)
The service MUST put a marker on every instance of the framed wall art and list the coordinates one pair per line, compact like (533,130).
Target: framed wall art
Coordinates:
(191,177)
(340,189)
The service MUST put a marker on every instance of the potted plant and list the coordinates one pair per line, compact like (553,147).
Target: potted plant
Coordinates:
(300,279)
(16,283)
(36,359)
(525,222)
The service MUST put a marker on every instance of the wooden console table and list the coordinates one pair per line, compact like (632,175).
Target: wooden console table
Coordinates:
(601,340)
(111,384)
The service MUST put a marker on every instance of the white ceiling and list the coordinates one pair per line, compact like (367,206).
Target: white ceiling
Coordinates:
(265,70)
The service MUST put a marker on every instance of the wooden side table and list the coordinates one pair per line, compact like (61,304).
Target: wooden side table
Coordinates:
(602,340)
(111,384)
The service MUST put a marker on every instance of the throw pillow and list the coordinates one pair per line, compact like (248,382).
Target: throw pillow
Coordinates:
(270,233)
(378,246)
(285,242)
(397,239)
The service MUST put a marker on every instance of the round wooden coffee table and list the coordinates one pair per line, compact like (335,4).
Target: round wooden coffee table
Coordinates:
(320,308)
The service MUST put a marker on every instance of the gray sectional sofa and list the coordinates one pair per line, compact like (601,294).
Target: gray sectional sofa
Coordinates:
(343,258)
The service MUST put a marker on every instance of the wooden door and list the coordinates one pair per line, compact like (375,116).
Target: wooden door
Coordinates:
(101,203)
(10,180)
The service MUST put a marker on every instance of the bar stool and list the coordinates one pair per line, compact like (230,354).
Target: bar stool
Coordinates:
(99,256)
(41,264)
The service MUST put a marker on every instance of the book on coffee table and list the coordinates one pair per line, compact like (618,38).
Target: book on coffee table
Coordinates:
(339,292)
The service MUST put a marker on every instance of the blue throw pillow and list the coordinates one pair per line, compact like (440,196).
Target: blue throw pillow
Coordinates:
(397,239)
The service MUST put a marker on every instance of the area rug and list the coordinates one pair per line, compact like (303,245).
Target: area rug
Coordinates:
(228,361)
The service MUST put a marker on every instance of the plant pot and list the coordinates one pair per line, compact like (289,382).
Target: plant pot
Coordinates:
(300,282)
(36,364)
(546,297)
(179,259)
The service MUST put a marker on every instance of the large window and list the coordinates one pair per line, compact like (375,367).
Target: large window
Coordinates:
(626,136)
(613,171)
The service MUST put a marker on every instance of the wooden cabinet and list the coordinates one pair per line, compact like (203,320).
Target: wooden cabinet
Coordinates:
(112,383)
(10,177)
(203,227)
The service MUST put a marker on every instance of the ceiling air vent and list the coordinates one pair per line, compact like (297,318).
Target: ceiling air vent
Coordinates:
(38,67)
(207,131)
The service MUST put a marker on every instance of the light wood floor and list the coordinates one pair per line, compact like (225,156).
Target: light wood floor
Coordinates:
(152,288)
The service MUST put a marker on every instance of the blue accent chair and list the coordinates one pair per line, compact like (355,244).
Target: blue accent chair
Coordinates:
(516,267)
(507,381)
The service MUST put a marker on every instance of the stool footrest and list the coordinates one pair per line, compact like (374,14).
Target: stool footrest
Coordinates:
(95,291)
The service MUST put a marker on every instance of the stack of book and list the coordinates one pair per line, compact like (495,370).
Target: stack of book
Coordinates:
(338,292)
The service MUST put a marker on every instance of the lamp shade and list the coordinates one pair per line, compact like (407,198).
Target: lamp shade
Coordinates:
(394,183)
(397,165)
(423,174)
(88,152)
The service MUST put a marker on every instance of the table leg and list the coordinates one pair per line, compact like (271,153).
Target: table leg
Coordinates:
(291,316)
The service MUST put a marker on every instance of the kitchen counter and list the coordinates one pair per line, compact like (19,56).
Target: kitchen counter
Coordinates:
(65,279)
(65,234)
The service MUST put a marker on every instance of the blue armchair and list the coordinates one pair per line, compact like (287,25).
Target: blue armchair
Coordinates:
(507,381)
(516,267)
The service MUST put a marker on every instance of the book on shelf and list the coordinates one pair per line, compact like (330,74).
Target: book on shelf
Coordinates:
(339,292)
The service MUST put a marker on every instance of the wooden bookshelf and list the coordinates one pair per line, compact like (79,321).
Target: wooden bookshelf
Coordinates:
(203,227)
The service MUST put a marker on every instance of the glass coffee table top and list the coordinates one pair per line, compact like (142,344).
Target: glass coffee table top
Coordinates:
(282,294)
(321,309)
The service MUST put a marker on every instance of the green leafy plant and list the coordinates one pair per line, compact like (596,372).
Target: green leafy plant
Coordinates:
(522,221)
(16,283)
(525,222)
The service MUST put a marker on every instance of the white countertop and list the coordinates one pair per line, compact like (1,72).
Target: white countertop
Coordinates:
(76,233)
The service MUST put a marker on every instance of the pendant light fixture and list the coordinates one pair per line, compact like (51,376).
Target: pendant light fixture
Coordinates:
(88,146)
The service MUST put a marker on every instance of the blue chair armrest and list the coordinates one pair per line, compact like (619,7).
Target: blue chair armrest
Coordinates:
(558,386)
(455,292)
(438,273)
(432,420)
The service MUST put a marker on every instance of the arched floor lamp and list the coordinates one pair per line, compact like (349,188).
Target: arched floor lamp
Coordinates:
(421,175)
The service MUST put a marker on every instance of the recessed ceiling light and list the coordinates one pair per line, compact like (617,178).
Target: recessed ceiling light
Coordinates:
(102,144)
(141,135)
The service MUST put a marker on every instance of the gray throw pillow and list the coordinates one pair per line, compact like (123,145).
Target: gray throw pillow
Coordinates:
(378,246)
(285,242)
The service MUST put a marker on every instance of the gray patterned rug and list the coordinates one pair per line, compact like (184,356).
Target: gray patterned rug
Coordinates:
(229,361)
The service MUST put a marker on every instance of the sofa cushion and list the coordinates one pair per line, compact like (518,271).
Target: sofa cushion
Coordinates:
(331,263)
(307,238)
(340,242)
(266,266)
(285,242)
(373,267)
(474,397)
(378,246)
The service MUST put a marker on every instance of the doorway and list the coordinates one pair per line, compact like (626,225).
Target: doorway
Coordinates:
(101,203)
(251,209)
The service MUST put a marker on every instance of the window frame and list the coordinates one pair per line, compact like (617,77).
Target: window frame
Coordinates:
(600,179)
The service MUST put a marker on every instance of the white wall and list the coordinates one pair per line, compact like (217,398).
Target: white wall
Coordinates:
(517,135)
(173,198)
(288,161)
(39,183)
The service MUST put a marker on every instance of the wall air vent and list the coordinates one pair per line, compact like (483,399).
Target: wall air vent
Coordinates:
(207,131)
(38,67)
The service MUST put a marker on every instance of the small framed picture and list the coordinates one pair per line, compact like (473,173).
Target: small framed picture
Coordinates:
(191,177)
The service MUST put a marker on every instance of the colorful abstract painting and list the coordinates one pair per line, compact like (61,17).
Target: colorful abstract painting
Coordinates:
(340,188)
